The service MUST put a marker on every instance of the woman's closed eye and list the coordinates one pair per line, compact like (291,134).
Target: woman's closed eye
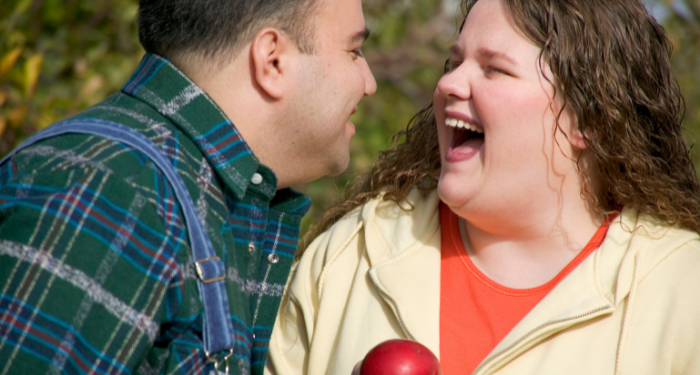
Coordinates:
(451,65)
(491,70)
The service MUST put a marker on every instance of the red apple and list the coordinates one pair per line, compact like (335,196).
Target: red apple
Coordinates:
(400,357)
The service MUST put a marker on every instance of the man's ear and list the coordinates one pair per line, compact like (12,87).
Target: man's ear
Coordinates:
(271,60)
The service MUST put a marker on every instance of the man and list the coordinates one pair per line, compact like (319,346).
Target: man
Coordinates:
(97,272)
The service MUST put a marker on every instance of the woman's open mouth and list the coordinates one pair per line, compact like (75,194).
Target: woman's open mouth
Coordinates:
(467,139)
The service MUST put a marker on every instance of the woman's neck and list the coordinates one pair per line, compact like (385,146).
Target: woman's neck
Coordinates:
(528,253)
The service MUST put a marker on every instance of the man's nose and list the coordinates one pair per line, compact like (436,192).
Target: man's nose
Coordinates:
(370,82)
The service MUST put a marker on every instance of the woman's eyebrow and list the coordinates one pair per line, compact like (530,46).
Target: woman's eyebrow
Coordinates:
(484,52)
(492,54)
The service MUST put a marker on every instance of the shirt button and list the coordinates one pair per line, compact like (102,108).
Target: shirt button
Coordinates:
(257,179)
(251,246)
(273,258)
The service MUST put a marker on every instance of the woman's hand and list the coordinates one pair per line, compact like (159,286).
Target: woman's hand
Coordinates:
(356,369)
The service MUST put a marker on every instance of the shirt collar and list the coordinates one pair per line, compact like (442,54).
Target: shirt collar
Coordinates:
(164,87)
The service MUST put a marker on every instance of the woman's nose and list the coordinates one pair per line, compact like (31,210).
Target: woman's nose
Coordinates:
(455,84)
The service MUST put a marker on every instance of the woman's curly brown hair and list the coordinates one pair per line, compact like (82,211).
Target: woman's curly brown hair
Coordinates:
(610,60)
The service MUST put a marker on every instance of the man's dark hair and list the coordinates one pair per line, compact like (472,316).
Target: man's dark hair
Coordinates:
(219,28)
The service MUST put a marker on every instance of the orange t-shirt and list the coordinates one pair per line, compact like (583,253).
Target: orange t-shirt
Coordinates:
(476,313)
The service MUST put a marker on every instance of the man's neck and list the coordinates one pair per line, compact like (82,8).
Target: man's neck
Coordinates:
(233,90)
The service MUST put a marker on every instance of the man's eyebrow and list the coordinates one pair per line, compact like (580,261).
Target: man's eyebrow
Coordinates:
(360,36)
(491,54)
(455,49)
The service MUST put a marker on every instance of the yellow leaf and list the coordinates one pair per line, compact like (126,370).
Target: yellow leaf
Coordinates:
(16,117)
(3,97)
(3,125)
(32,68)
(8,61)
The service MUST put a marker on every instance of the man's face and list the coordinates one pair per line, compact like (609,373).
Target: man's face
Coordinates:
(330,84)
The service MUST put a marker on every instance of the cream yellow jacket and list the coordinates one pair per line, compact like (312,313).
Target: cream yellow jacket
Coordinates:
(632,307)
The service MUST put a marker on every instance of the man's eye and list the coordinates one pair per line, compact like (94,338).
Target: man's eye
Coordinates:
(357,52)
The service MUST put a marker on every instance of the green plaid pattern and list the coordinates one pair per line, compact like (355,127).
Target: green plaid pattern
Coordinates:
(96,271)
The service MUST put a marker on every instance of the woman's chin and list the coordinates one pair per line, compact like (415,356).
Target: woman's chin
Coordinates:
(453,193)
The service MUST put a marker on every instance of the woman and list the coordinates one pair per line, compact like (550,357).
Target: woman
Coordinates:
(562,233)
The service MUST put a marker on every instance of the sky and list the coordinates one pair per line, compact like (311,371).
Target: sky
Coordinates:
(661,11)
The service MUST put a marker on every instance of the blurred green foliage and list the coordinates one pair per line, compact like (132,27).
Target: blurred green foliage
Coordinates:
(683,28)
(58,57)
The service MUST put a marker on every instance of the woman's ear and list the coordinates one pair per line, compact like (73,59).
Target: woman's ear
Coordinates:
(271,52)
(577,140)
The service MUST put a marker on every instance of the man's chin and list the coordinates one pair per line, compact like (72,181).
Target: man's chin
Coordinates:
(339,167)
(337,160)
(349,130)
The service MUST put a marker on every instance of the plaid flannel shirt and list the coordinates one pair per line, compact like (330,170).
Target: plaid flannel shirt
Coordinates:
(96,274)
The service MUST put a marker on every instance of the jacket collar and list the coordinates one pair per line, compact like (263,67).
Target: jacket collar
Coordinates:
(578,297)
(597,286)
(404,252)
(648,240)
(160,84)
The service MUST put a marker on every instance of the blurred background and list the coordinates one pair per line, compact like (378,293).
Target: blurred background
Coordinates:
(58,57)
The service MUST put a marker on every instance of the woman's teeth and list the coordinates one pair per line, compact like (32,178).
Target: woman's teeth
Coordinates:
(456,123)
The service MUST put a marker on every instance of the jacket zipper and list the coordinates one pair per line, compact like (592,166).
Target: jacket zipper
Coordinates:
(398,314)
(533,331)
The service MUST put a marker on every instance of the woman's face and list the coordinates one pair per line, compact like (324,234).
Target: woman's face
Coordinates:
(508,161)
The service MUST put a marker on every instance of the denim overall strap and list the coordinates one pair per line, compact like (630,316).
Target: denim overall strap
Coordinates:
(218,329)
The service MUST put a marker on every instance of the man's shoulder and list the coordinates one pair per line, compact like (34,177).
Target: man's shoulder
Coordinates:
(108,182)
(125,109)
(88,225)
(97,152)
(95,184)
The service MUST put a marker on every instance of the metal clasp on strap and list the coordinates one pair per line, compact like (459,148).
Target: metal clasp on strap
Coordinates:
(200,272)
(217,362)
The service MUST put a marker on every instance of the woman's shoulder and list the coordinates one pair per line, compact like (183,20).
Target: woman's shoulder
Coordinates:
(665,255)
(656,240)
(380,221)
